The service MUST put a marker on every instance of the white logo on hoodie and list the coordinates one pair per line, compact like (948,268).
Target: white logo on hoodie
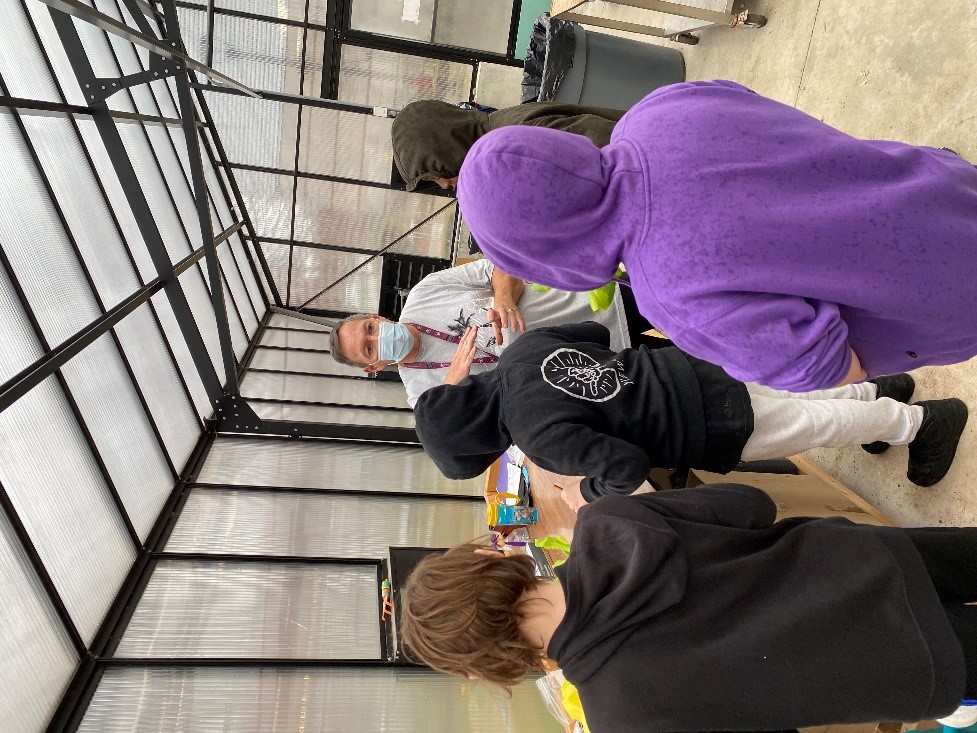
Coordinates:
(582,376)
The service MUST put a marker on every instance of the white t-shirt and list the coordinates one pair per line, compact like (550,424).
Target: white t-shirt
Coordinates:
(451,300)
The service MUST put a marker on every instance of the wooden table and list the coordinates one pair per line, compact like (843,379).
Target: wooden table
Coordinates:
(678,19)
(555,517)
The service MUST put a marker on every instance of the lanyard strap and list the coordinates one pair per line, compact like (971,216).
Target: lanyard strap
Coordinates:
(490,359)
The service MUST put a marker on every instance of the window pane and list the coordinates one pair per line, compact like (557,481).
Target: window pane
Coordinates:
(384,78)
(335,415)
(295,339)
(330,390)
(37,246)
(268,700)
(329,465)
(160,385)
(122,433)
(38,657)
(316,269)
(60,495)
(371,218)
(483,26)
(251,609)
(301,361)
(302,524)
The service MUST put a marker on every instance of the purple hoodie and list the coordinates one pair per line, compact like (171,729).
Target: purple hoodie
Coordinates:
(755,236)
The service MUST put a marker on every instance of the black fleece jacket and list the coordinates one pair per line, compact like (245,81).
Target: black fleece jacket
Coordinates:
(577,408)
(692,610)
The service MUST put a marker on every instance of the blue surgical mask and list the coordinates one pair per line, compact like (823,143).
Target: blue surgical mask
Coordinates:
(395,341)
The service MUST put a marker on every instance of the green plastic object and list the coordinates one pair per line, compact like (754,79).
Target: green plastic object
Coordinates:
(600,299)
(554,542)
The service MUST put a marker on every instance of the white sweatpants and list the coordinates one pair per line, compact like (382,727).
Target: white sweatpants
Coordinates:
(786,423)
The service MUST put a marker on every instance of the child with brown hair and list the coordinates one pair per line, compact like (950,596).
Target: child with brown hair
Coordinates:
(693,610)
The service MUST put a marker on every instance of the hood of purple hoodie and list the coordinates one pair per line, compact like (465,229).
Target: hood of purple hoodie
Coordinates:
(550,207)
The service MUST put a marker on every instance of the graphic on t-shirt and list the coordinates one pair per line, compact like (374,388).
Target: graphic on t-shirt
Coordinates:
(582,376)
(461,324)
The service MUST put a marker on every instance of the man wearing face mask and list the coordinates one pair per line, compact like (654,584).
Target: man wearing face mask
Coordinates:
(457,321)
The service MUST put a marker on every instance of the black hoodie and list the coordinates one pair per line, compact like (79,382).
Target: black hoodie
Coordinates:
(577,408)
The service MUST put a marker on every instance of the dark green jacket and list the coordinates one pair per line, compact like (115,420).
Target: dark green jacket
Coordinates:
(431,138)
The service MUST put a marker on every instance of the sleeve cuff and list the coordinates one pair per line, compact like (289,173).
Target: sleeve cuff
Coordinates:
(588,490)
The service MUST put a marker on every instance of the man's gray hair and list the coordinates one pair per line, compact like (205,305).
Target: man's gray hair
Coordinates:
(334,339)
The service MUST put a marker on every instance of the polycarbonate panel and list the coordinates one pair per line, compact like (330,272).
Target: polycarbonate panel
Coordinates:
(329,465)
(160,385)
(329,390)
(181,352)
(107,176)
(301,361)
(283,320)
(334,415)
(198,296)
(268,199)
(178,183)
(243,255)
(199,700)
(283,9)
(259,54)
(242,303)
(19,347)
(154,189)
(21,61)
(38,657)
(88,217)
(196,608)
(327,212)
(296,339)
(346,144)
(37,246)
(384,78)
(123,434)
(255,131)
(276,255)
(310,525)
(61,497)
(314,270)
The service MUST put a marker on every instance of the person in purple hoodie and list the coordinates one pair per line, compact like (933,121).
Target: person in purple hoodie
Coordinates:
(755,236)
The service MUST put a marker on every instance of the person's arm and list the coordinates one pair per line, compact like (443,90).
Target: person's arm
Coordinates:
(781,341)
(610,465)
(729,505)
(586,332)
(505,312)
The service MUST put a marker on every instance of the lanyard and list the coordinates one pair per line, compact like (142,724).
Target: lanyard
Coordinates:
(490,359)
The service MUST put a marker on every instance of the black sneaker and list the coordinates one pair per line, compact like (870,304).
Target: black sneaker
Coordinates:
(899,387)
(932,451)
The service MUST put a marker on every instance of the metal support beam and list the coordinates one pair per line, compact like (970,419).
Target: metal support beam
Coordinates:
(107,23)
(235,415)
(101,88)
(188,115)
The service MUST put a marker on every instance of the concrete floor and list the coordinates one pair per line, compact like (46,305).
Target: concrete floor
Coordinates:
(903,70)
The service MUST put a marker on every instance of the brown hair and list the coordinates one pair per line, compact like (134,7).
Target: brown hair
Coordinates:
(460,614)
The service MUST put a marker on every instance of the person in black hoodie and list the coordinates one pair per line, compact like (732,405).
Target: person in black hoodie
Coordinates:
(577,408)
(691,610)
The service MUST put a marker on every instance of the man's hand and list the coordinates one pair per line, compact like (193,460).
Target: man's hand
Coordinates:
(461,362)
(507,290)
(505,315)
(572,497)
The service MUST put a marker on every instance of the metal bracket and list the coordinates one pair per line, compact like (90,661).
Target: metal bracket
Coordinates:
(101,88)
(233,414)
